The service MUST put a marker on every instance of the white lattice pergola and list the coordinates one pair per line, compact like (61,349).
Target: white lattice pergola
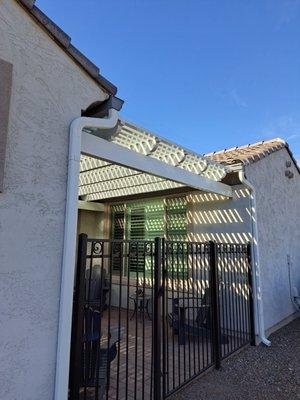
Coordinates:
(133,161)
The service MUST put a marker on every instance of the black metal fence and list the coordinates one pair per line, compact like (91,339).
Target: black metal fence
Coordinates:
(150,316)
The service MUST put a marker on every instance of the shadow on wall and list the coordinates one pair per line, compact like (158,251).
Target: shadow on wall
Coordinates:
(214,217)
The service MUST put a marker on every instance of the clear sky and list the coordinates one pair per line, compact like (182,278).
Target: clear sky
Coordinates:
(208,74)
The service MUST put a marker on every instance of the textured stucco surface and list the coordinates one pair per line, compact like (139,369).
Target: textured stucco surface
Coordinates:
(213,217)
(5,93)
(278,217)
(49,90)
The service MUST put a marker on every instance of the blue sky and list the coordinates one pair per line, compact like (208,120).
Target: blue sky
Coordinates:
(208,74)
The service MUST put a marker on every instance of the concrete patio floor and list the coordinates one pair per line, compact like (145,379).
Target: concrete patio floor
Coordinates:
(257,373)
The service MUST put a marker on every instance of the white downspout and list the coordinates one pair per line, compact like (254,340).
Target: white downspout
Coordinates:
(69,247)
(256,260)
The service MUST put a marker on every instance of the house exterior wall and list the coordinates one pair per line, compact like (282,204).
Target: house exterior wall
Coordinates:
(5,93)
(278,212)
(213,217)
(48,91)
(91,223)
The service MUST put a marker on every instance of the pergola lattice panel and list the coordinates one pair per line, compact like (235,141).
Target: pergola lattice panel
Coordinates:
(101,180)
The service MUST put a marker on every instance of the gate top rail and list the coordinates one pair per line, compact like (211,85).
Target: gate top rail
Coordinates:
(97,246)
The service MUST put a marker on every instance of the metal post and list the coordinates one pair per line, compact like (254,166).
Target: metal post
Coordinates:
(251,299)
(157,309)
(78,315)
(164,321)
(214,289)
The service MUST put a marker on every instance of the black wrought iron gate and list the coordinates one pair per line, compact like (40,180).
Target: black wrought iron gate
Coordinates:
(149,316)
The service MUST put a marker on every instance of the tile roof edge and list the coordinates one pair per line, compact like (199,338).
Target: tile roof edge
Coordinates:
(64,41)
(280,140)
(283,144)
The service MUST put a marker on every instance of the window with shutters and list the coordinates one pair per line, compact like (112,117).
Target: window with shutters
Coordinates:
(145,220)
(118,233)
(137,223)
(118,225)
(136,231)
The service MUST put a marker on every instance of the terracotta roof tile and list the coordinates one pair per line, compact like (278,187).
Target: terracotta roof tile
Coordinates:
(249,153)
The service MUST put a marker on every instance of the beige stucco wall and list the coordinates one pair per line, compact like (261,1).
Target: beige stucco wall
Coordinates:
(213,217)
(91,223)
(49,90)
(278,218)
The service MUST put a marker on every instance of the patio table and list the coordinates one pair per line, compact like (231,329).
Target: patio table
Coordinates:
(141,303)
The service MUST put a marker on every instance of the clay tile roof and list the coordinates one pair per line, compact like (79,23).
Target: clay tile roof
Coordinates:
(64,41)
(249,153)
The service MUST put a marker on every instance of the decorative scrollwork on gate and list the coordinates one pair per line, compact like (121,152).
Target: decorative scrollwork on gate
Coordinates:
(148,248)
(97,248)
(116,249)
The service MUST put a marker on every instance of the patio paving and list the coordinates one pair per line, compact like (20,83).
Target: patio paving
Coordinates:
(133,362)
(130,371)
(130,374)
(257,373)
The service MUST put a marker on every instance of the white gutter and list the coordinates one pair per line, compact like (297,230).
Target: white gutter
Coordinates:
(256,261)
(69,247)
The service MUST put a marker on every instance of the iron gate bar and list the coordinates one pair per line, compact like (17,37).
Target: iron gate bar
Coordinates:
(157,373)
(143,327)
(153,314)
(127,328)
(101,300)
(224,297)
(214,289)
(165,350)
(78,315)
(251,297)
(235,304)
(119,321)
(241,257)
(136,321)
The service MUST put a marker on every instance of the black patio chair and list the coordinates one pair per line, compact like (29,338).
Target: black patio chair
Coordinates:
(97,351)
(97,287)
(97,355)
(201,324)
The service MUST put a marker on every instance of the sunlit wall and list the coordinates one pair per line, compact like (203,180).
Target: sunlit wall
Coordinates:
(214,217)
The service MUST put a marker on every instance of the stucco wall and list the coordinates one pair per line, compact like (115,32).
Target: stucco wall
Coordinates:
(278,216)
(49,90)
(91,223)
(213,217)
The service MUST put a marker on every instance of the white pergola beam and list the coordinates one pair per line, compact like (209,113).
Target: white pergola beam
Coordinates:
(95,146)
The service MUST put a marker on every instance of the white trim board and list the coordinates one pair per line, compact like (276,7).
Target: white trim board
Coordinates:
(90,206)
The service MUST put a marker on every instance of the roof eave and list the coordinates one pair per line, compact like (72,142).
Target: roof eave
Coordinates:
(64,41)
